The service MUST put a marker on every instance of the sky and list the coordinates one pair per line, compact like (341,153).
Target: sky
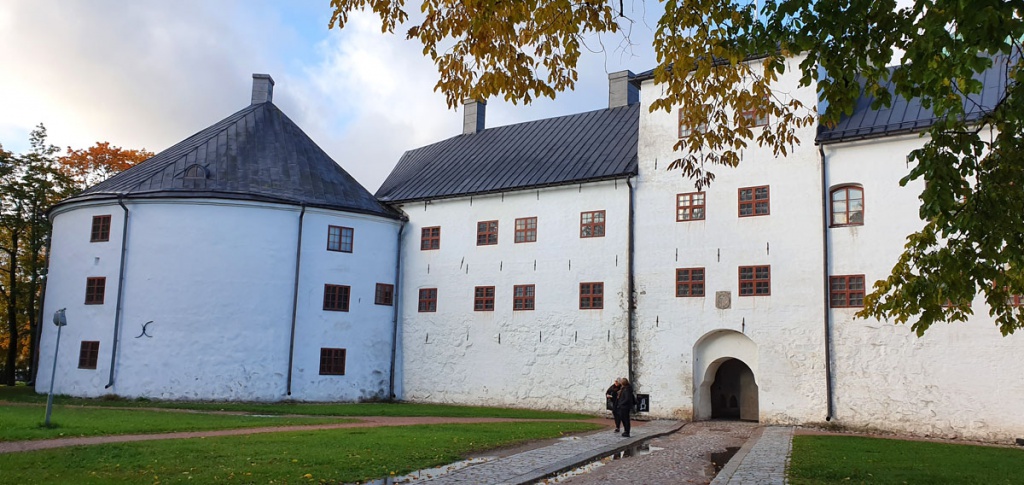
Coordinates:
(148,74)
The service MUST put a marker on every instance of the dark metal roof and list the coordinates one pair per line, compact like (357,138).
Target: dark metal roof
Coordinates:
(257,153)
(907,115)
(596,145)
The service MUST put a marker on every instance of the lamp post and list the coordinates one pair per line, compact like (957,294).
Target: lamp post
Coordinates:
(60,320)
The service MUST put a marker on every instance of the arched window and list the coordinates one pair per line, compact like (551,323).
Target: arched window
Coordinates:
(195,172)
(848,206)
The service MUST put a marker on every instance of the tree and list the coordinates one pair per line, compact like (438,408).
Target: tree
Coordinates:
(717,58)
(97,163)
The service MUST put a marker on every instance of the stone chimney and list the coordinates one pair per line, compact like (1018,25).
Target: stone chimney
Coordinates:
(473,116)
(262,88)
(621,92)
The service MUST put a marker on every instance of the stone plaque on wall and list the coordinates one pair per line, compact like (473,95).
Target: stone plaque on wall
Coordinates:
(723,300)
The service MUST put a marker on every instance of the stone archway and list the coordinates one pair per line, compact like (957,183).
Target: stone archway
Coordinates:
(725,377)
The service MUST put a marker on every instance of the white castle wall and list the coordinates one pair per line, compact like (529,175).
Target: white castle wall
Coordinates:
(554,357)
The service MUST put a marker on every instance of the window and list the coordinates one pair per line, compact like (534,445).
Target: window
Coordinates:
(332,362)
(100,229)
(592,224)
(848,206)
(94,289)
(336,298)
(430,238)
(428,300)
(846,291)
(689,282)
(526,229)
(701,128)
(195,172)
(755,280)
(483,299)
(754,201)
(385,294)
(690,207)
(1016,300)
(339,239)
(522,297)
(752,119)
(591,296)
(88,354)
(486,233)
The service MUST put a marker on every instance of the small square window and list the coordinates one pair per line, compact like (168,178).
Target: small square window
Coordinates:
(430,238)
(755,280)
(100,229)
(428,300)
(486,233)
(752,118)
(1016,300)
(523,297)
(336,298)
(94,290)
(591,296)
(385,294)
(848,206)
(483,299)
(339,239)
(701,128)
(332,362)
(526,229)
(689,282)
(846,291)
(754,201)
(88,354)
(592,224)
(690,207)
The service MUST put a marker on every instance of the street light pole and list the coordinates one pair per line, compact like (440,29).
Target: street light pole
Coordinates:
(60,320)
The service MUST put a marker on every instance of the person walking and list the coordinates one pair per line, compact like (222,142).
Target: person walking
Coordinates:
(624,404)
(611,397)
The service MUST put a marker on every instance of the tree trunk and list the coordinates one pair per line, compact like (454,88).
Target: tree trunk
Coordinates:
(12,313)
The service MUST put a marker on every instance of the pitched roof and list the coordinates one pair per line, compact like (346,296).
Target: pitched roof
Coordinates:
(257,153)
(907,115)
(584,147)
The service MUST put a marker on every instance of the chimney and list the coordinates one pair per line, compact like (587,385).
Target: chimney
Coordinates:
(473,118)
(262,88)
(621,92)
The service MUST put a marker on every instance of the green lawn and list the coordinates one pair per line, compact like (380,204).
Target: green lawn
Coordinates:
(322,457)
(849,459)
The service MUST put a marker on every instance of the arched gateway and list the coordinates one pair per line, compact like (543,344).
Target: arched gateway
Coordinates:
(724,374)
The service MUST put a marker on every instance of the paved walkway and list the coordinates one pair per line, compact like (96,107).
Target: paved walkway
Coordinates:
(762,461)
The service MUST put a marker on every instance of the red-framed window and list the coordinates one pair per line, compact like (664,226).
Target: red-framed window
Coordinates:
(430,238)
(689,282)
(690,207)
(1016,300)
(591,296)
(100,229)
(846,291)
(483,299)
(339,238)
(526,229)
(755,280)
(752,118)
(384,294)
(336,298)
(847,206)
(428,300)
(592,224)
(486,233)
(95,287)
(88,354)
(754,201)
(332,362)
(523,297)
(683,131)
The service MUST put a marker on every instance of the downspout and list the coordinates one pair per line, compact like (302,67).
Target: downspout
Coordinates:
(295,299)
(394,316)
(120,290)
(827,314)
(631,308)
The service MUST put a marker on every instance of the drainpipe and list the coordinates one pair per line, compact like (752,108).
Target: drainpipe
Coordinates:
(120,290)
(295,299)
(394,315)
(827,314)
(631,309)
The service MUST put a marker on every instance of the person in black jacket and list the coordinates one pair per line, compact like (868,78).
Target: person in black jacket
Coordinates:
(624,405)
(611,398)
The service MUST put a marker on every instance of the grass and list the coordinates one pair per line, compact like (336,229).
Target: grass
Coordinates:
(850,459)
(322,457)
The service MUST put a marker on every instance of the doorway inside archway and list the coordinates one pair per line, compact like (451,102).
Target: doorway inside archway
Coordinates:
(734,392)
